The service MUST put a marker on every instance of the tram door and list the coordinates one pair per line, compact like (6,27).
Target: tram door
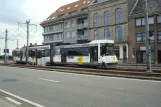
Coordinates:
(94,54)
(63,55)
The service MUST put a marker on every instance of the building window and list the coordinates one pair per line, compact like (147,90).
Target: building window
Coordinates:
(54,27)
(68,35)
(141,57)
(67,24)
(96,34)
(50,28)
(96,20)
(159,18)
(151,20)
(73,34)
(107,33)
(100,1)
(73,23)
(140,38)
(118,15)
(159,36)
(107,18)
(55,37)
(140,21)
(45,38)
(45,29)
(59,26)
(152,36)
(119,34)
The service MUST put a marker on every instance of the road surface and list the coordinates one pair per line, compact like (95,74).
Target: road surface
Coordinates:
(55,89)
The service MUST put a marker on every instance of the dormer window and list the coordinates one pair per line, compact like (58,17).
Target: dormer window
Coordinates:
(76,5)
(68,8)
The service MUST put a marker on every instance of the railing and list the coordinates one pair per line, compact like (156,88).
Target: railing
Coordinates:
(51,41)
(83,37)
(51,32)
(135,61)
(82,26)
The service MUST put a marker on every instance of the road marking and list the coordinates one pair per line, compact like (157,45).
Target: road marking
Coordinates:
(48,80)
(22,99)
(12,100)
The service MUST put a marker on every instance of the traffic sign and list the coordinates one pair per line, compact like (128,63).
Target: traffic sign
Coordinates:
(149,52)
(6,51)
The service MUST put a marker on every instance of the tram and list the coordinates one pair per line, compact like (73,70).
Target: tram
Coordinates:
(37,55)
(95,53)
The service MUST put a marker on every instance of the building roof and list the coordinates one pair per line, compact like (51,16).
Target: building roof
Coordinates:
(74,6)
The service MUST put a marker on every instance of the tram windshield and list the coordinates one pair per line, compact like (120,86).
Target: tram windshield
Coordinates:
(107,49)
(16,53)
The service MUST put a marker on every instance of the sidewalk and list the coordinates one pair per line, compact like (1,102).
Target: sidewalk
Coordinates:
(2,61)
(143,65)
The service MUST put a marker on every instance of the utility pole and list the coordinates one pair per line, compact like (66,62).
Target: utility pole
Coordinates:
(6,47)
(28,30)
(27,53)
(17,43)
(148,48)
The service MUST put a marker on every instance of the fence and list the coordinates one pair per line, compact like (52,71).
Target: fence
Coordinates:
(137,62)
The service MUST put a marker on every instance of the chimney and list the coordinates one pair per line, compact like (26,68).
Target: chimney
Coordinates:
(35,44)
(30,44)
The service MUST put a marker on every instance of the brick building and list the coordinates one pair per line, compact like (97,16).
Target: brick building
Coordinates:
(137,37)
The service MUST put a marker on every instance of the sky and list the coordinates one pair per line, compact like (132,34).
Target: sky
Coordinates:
(14,11)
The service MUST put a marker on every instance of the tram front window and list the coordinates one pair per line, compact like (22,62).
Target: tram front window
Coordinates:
(107,49)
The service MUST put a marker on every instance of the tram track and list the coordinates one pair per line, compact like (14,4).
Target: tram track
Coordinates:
(114,72)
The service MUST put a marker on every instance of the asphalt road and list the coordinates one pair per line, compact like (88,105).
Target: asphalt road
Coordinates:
(55,89)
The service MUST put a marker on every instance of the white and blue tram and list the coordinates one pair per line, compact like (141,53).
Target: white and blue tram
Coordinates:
(37,55)
(97,52)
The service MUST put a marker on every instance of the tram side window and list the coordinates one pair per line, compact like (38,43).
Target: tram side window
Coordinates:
(21,53)
(78,51)
(39,54)
(17,54)
(31,53)
(57,51)
(46,53)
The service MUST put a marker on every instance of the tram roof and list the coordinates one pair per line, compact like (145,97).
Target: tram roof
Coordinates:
(39,47)
(101,41)
(92,43)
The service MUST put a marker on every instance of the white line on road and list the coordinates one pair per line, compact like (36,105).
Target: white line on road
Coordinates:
(48,80)
(22,99)
(13,101)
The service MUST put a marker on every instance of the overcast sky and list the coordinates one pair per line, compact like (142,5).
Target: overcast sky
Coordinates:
(14,11)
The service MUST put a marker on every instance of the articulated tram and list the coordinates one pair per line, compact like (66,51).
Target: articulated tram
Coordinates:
(97,52)
(37,55)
